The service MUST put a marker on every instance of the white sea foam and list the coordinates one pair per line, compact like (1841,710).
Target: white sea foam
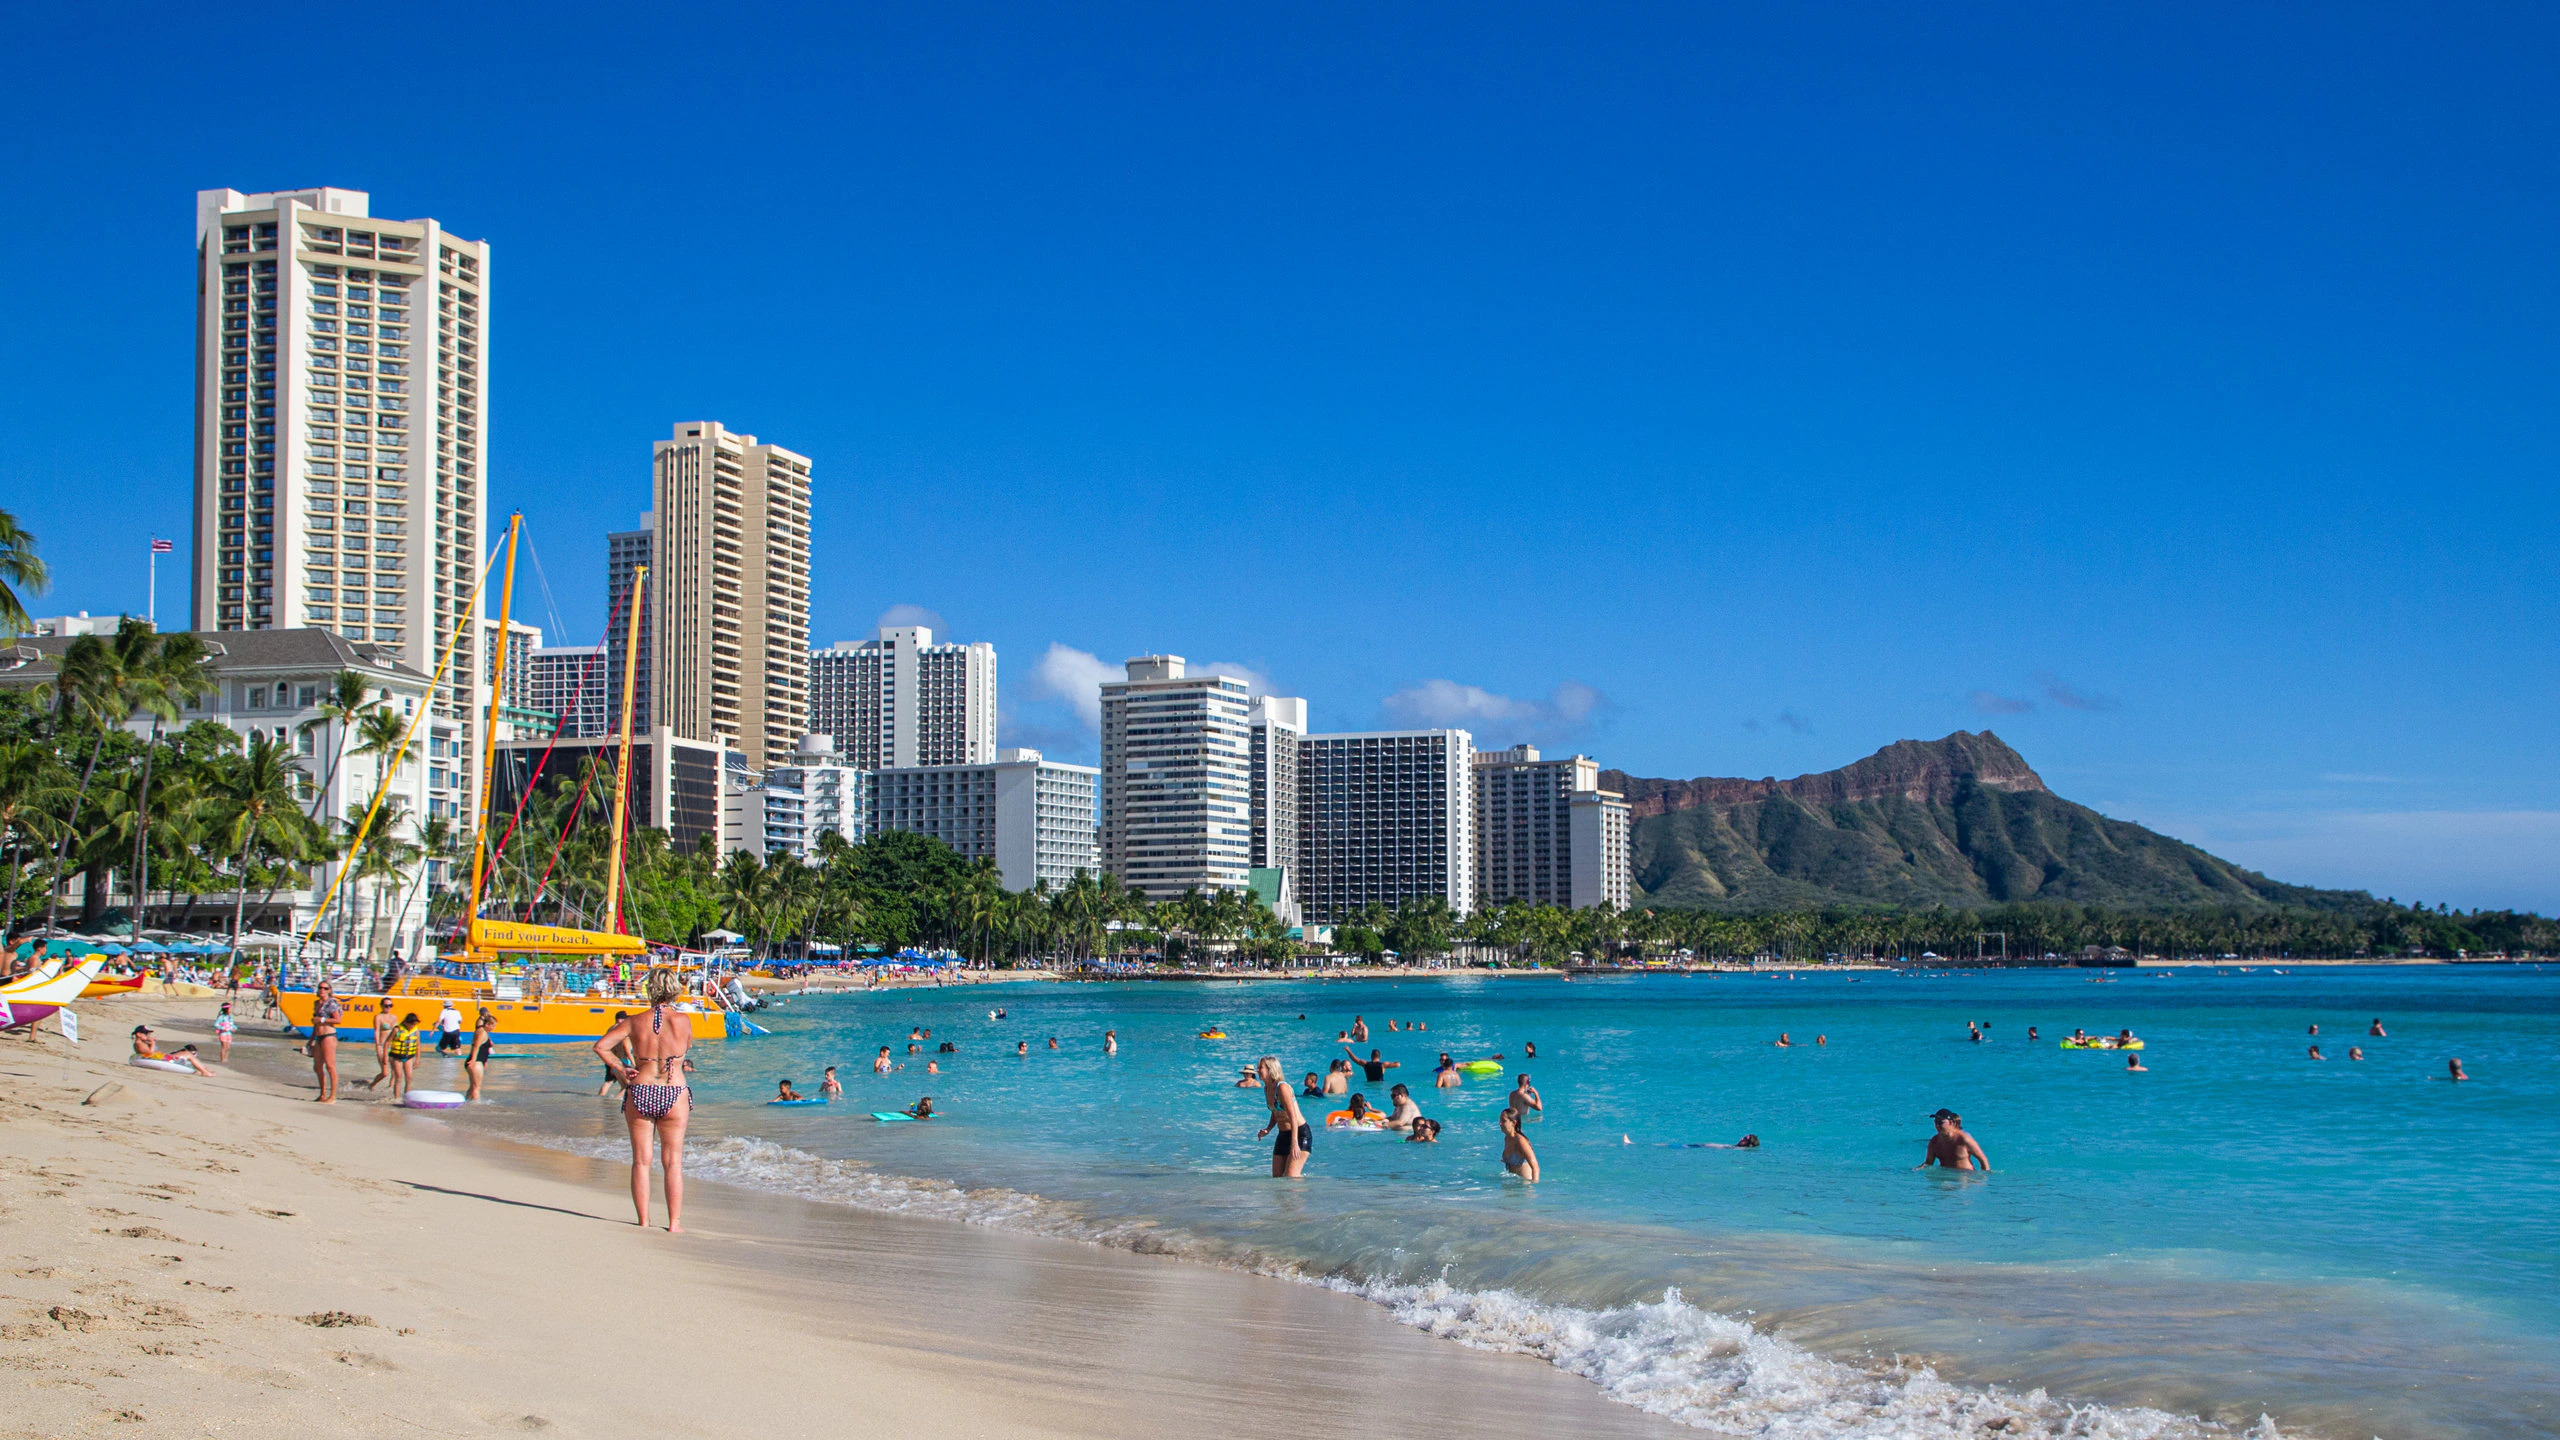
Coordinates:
(1669,1358)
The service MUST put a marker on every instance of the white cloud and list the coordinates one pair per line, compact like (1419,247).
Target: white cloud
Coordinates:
(903,614)
(1257,681)
(1074,676)
(2470,859)
(1497,720)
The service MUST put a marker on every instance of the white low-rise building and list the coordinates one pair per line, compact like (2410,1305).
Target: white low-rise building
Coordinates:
(1033,817)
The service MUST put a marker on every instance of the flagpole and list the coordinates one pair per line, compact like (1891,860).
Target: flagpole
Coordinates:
(155,582)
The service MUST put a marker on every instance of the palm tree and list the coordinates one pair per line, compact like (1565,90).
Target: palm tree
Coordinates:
(259,814)
(91,683)
(436,841)
(20,569)
(174,677)
(32,785)
(339,709)
(380,733)
(384,859)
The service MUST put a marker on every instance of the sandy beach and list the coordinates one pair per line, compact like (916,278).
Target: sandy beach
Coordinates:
(222,1257)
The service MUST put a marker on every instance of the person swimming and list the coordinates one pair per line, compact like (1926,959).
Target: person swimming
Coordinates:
(2355,1052)
(1525,1098)
(1529,1049)
(2316,1055)
(1022,1047)
(921,1110)
(2454,1069)
(1784,1043)
(881,1063)
(2031,1032)
(1448,1076)
(1337,1078)
(785,1093)
(1425,1131)
(830,1086)
(2133,1062)
(2315,1028)
(1518,1155)
(1951,1148)
(1313,1088)
(1361,1111)
(1402,1113)
(2374,1031)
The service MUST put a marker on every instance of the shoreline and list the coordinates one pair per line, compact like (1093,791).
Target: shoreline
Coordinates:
(224,1255)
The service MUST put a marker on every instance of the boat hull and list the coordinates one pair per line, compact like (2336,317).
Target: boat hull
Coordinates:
(553,1020)
(115,985)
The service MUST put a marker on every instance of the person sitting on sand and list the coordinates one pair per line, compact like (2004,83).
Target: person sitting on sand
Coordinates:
(1518,1156)
(829,1086)
(2374,1031)
(147,1048)
(880,1063)
(1951,1148)
(1448,1076)
(921,1110)
(785,1094)
(2133,1062)
(1314,1087)
(1425,1131)
(1402,1113)
(1524,1098)
(2454,1069)
(2316,1055)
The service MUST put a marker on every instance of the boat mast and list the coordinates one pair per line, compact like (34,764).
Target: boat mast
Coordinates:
(622,758)
(489,727)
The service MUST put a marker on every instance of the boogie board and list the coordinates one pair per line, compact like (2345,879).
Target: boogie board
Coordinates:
(432,1099)
(145,1062)
(814,1100)
(891,1115)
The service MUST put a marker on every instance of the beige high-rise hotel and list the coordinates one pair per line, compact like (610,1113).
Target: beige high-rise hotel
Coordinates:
(729,592)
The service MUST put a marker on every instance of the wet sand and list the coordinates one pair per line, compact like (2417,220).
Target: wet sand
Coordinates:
(224,1257)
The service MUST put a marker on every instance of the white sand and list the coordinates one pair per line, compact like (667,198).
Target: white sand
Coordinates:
(170,1259)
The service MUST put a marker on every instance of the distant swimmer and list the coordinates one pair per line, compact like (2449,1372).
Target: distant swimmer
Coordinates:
(993,1016)
(1529,1049)
(1402,1113)
(1418,1025)
(1951,1148)
(1110,1042)
(1337,1079)
(830,1086)
(1524,1098)
(2375,1030)
(2355,1052)
(1359,1031)
(999,1012)
(1977,1034)
(2080,1037)
(921,1110)
(1393,1027)
(2316,1055)
(933,1067)
(881,1064)
(1377,1066)
(1821,1039)
(2031,1032)
(1518,1155)
(1053,1042)
(1249,1078)
(1784,1043)
(2315,1029)
(2125,1039)
(1448,1076)
(1748,1142)
(2454,1067)
(1022,1047)
(916,1034)
(2133,1062)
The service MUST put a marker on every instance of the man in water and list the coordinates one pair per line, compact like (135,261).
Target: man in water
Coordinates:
(2133,1064)
(1359,1031)
(1053,1042)
(1402,1113)
(1376,1066)
(2355,1052)
(1524,1098)
(448,1029)
(2316,1055)
(2455,1067)
(2031,1033)
(1314,1087)
(2375,1031)
(1448,1076)
(1951,1148)
(1784,1043)
(786,1093)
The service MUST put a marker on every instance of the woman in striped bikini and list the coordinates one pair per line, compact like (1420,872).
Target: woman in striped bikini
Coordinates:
(655,1100)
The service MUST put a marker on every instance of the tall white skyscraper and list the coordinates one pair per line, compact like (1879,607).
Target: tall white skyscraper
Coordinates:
(900,700)
(1547,834)
(1279,723)
(341,383)
(1177,782)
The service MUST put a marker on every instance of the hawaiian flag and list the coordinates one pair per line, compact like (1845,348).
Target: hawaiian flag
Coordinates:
(161,547)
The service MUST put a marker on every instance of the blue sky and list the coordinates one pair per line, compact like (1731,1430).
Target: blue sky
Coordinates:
(1720,392)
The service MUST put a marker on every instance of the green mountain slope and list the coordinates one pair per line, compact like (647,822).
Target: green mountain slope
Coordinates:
(1959,821)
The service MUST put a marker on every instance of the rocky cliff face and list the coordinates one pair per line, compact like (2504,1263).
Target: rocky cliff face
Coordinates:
(1923,771)
(1960,821)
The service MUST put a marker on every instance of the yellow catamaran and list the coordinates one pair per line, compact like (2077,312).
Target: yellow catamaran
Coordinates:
(513,970)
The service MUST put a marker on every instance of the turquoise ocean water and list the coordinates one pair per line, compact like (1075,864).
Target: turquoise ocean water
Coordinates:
(2351,1248)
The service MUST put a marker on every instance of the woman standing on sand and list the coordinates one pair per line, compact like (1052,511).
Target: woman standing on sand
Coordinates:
(1289,1152)
(325,1015)
(655,1100)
